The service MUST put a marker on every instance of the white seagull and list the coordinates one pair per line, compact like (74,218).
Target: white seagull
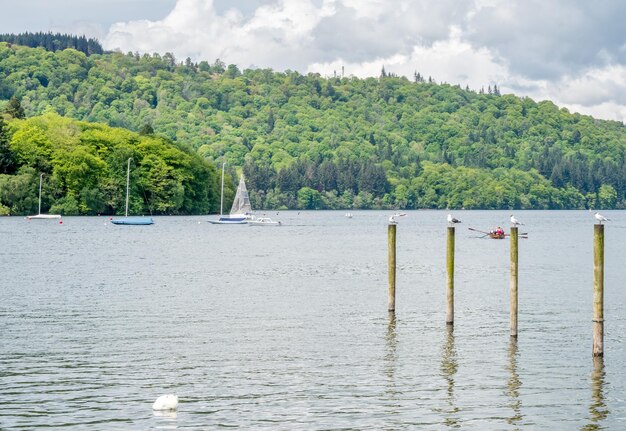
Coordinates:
(601,218)
(515,222)
(453,220)
(392,219)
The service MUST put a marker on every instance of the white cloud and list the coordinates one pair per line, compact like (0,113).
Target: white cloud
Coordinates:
(514,44)
(452,60)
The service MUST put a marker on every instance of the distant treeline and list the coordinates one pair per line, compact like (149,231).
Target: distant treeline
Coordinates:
(54,42)
(318,184)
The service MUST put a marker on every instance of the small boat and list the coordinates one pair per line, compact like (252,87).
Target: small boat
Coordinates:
(495,233)
(41,216)
(131,221)
(136,221)
(348,215)
(264,221)
(241,211)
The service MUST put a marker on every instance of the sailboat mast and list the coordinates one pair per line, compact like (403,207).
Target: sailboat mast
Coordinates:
(127,185)
(40,182)
(222,194)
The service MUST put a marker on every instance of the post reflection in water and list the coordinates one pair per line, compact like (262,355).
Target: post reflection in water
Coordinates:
(514,384)
(597,409)
(449,367)
(392,341)
(390,360)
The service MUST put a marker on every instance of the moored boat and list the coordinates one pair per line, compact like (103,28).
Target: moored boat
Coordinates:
(131,221)
(241,210)
(41,216)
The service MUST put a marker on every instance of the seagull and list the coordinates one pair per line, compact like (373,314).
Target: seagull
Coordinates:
(515,222)
(453,220)
(601,218)
(392,219)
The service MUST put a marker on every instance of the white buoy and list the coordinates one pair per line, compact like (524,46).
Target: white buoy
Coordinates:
(166,402)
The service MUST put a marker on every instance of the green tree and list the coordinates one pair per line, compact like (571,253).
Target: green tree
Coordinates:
(309,199)
(8,163)
(14,108)
(18,192)
(607,196)
(146,129)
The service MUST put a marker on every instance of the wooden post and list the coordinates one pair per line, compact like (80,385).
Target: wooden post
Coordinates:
(514,280)
(598,290)
(450,281)
(391,298)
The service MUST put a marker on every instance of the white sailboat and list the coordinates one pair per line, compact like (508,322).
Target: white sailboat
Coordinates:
(41,216)
(135,221)
(241,210)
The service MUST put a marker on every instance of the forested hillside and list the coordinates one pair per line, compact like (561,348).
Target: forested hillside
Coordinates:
(305,141)
(54,41)
(84,166)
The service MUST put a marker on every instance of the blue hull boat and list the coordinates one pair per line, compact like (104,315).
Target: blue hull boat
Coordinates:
(136,221)
(241,211)
(229,220)
(131,221)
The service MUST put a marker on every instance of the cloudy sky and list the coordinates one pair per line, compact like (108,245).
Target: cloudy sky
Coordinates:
(572,52)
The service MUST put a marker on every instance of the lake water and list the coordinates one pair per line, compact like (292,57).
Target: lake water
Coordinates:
(287,328)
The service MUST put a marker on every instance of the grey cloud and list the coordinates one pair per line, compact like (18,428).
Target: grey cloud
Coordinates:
(245,7)
(592,93)
(396,30)
(345,36)
(543,40)
(91,17)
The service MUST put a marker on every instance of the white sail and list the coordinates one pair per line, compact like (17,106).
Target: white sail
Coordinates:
(241,204)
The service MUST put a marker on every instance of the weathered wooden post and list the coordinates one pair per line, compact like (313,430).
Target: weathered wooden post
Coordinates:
(514,280)
(391,236)
(450,281)
(598,290)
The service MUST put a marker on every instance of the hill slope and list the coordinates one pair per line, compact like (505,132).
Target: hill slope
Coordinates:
(85,170)
(310,142)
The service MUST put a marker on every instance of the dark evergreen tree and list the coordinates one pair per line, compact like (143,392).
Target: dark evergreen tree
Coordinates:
(14,108)
(146,129)
(54,42)
(270,121)
(7,157)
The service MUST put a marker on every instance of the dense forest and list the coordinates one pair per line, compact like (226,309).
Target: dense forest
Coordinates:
(305,141)
(54,41)
(84,166)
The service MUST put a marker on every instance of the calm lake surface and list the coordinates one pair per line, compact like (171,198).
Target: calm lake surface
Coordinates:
(287,328)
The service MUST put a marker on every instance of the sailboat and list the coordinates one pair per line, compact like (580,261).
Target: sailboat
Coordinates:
(137,221)
(241,210)
(41,216)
